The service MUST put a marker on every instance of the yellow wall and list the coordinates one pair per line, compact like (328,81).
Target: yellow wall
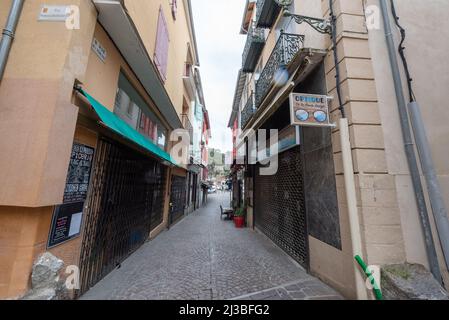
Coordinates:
(35,108)
(145,16)
(40,120)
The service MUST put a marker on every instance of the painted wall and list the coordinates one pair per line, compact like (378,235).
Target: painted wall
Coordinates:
(426,50)
(145,16)
(35,107)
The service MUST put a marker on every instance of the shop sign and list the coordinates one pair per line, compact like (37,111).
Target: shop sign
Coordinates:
(288,138)
(78,176)
(310,110)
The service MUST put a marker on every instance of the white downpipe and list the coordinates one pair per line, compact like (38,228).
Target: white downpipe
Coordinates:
(354,223)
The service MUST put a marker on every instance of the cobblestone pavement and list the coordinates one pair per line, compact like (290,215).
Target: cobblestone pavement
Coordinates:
(205,258)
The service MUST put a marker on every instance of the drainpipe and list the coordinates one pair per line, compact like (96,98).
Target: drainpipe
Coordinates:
(351,199)
(409,146)
(8,34)
(433,186)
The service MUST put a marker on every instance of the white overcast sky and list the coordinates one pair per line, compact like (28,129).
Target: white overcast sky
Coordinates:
(220,45)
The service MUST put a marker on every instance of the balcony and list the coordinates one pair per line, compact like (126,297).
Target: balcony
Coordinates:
(188,126)
(253,48)
(267,12)
(248,111)
(283,56)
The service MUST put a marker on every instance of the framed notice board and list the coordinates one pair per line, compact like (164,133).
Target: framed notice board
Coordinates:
(66,223)
(68,217)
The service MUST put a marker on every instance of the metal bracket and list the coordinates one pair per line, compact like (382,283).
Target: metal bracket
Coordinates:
(321,25)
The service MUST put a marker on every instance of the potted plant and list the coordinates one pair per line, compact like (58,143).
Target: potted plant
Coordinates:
(239,218)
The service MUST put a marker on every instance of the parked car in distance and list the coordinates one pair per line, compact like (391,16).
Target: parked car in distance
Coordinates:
(212,189)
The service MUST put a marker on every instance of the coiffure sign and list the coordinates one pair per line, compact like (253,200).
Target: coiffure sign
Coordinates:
(309,110)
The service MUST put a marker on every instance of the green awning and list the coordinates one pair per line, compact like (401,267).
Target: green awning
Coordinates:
(119,126)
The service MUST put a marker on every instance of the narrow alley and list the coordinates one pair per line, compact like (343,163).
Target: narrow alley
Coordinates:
(204,258)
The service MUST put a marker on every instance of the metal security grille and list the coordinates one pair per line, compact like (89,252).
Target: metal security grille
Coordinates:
(177,198)
(280,206)
(125,202)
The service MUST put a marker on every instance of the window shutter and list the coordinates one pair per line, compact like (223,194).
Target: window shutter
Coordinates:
(162,45)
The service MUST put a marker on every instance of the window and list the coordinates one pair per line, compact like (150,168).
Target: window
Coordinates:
(162,44)
(132,109)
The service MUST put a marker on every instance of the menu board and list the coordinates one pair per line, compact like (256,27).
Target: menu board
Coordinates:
(309,110)
(66,223)
(78,176)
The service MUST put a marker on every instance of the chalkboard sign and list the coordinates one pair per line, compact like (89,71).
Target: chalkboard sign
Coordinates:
(66,223)
(78,176)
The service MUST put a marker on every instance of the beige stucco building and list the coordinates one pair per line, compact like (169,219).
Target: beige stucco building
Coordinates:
(139,61)
(390,227)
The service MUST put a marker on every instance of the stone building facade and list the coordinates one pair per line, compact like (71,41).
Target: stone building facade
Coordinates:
(389,222)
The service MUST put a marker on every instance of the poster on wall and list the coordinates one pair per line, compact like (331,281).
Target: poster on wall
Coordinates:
(310,110)
(78,175)
(66,223)
(67,218)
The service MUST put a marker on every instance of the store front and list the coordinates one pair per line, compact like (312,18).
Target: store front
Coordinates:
(300,199)
(125,195)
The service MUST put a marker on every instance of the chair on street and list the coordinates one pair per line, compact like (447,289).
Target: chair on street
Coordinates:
(226,212)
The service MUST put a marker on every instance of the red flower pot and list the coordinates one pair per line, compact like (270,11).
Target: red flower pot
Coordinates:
(239,222)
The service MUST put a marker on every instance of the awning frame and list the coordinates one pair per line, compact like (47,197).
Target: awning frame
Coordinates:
(142,142)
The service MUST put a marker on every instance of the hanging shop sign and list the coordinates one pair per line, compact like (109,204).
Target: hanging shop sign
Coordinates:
(78,176)
(66,223)
(310,110)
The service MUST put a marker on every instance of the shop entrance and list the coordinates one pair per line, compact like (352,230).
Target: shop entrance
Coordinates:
(177,198)
(280,211)
(125,203)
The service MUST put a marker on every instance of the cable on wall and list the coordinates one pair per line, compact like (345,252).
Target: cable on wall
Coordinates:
(401,50)
(337,66)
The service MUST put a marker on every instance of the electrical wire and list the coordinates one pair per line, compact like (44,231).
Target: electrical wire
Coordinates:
(401,50)
(337,66)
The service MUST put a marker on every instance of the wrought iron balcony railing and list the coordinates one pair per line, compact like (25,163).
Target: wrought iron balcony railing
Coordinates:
(253,48)
(287,47)
(188,126)
(248,111)
(267,12)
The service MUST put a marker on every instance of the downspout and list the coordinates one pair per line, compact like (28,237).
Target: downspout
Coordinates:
(8,33)
(409,146)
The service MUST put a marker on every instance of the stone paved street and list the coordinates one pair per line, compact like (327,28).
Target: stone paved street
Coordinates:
(204,258)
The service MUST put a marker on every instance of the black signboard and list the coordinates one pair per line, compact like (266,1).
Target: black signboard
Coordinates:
(67,218)
(66,224)
(79,173)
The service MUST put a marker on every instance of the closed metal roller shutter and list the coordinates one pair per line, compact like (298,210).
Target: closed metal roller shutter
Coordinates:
(280,206)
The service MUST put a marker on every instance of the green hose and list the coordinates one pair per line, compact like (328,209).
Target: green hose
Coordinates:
(376,288)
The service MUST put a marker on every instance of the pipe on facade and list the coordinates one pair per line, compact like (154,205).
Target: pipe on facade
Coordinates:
(433,186)
(8,33)
(351,199)
(409,146)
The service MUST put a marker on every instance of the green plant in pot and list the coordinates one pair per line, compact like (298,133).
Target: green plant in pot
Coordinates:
(239,218)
